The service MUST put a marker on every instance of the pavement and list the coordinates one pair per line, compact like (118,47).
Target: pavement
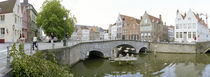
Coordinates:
(28,50)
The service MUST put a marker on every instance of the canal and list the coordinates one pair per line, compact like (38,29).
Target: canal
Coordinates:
(147,65)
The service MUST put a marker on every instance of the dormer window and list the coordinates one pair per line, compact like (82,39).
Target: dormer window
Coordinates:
(153,20)
(189,18)
(2,17)
(145,20)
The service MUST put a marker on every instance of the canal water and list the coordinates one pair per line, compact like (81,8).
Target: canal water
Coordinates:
(147,65)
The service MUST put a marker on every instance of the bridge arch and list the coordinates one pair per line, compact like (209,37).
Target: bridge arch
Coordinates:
(123,49)
(207,51)
(94,54)
(143,50)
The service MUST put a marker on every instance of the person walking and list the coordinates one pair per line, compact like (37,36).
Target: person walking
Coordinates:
(52,40)
(22,39)
(34,42)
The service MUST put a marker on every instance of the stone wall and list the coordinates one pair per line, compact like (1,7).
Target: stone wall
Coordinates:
(66,55)
(173,48)
(202,47)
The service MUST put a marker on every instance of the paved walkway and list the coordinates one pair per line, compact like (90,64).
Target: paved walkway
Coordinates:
(27,48)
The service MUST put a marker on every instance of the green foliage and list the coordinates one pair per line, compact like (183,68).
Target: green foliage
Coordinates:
(36,65)
(50,19)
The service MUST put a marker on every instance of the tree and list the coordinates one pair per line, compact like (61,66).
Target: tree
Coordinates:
(36,65)
(50,19)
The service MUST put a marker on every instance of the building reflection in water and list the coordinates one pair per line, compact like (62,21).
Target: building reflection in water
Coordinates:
(161,65)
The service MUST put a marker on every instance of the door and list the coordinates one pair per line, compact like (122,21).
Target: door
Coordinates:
(185,36)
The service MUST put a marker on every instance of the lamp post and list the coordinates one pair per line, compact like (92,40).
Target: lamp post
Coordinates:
(13,33)
(64,41)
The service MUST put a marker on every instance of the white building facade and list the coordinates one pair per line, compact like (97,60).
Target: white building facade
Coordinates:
(85,35)
(171,33)
(119,24)
(114,32)
(101,33)
(10,20)
(106,36)
(190,28)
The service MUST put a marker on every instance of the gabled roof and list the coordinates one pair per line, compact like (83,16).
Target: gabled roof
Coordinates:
(7,6)
(154,19)
(171,26)
(85,27)
(200,20)
(130,20)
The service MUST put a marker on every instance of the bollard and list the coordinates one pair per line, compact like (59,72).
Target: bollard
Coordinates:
(31,49)
(53,45)
(8,57)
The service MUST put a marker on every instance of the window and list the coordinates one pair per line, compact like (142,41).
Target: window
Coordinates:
(18,9)
(180,34)
(2,31)
(177,35)
(145,20)
(194,34)
(177,26)
(194,25)
(189,35)
(149,34)
(15,19)
(2,17)
(189,18)
(185,26)
(145,34)
(180,26)
(189,26)
(142,34)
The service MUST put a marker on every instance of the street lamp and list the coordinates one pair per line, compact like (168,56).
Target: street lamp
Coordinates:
(0,10)
(13,32)
(64,41)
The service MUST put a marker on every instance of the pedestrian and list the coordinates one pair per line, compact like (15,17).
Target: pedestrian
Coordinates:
(22,39)
(34,42)
(52,39)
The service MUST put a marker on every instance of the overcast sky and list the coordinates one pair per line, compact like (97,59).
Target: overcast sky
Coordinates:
(104,12)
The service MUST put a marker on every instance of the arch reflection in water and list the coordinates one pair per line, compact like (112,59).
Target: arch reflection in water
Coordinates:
(95,55)
(143,50)
(162,65)
(208,51)
(123,50)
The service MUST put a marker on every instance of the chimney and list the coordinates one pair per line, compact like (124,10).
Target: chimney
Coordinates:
(160,17)
(145,12)
(25,1)
(177,12)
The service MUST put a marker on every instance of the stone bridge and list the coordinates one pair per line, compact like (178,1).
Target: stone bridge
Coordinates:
(81,51)
(105,47)
(203,47)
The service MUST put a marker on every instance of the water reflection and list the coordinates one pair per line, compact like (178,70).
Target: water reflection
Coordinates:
(163,65)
